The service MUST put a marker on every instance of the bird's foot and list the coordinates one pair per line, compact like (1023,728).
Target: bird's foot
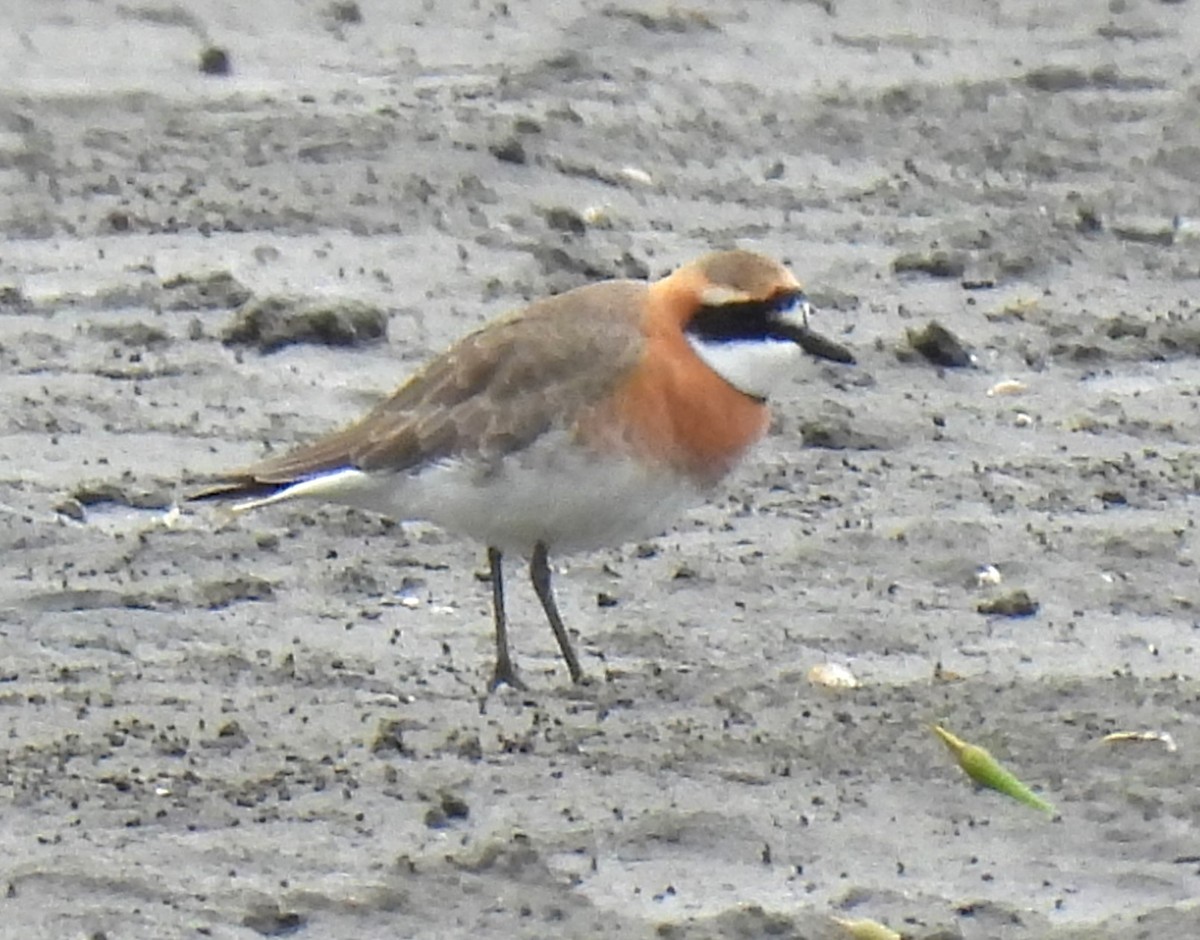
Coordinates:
(505,673)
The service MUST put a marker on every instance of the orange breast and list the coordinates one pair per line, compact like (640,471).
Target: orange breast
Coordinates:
(675,411)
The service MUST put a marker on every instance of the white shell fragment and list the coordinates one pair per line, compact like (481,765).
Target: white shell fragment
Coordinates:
(833,676)
(633,174)
(1007,387)
(596,216)
(860,928)
(1161,737)
(988,576)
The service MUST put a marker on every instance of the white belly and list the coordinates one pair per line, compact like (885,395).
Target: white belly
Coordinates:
(599,505)
(569,500)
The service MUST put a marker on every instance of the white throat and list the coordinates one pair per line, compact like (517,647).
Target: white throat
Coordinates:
(757,367)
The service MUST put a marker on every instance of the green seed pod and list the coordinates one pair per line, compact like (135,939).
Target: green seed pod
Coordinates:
(986,771)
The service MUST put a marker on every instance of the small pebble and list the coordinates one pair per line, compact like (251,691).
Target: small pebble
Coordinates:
(939,346)
(72,509)
(1014,604)
(215,61)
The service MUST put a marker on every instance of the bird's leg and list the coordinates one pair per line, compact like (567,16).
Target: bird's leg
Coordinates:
(505,671)
(539,572)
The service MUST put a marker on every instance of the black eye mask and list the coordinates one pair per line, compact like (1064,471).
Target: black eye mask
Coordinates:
(750,320)
(742,321)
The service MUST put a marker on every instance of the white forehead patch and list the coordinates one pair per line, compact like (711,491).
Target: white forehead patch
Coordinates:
(716,295)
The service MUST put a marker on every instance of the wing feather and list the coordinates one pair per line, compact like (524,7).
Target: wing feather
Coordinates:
(494,392)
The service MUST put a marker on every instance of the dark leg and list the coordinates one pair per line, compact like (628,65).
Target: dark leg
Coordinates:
(539,572)
(505,672)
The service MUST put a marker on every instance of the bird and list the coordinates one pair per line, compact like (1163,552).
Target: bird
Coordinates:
(582,421)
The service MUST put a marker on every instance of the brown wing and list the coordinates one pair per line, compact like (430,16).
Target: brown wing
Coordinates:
(493,392)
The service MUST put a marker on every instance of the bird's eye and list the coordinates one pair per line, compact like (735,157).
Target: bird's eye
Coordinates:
(787,300)
(792,301)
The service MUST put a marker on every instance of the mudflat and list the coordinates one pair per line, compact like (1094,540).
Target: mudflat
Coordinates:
(278,724)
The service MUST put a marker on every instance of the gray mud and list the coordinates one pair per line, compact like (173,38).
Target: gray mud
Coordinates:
(279,725)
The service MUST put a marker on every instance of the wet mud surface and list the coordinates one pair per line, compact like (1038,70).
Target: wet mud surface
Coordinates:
(278,725)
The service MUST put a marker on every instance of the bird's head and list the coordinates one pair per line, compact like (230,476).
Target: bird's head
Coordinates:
(746,317)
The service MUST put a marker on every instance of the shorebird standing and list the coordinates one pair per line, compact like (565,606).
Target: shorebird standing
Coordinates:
(581,421)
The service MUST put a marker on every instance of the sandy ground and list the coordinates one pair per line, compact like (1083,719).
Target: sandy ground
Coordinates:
(278,725)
